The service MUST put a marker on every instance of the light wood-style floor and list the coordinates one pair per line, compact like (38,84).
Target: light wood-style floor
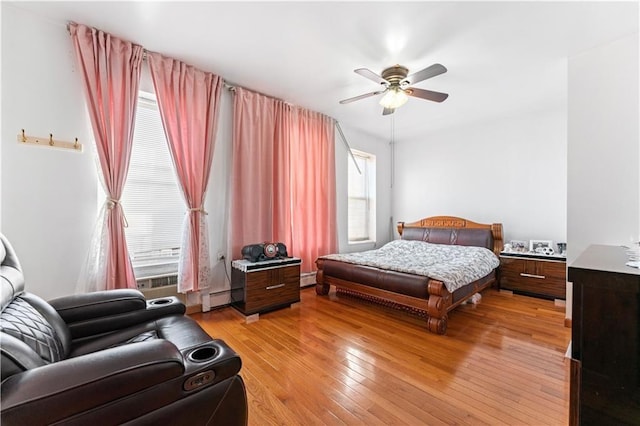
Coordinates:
(339,360)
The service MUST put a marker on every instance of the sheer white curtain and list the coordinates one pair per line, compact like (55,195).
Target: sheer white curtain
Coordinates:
(110,72)
(188,99)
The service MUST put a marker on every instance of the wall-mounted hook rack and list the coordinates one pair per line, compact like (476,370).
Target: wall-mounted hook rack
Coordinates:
(35,140)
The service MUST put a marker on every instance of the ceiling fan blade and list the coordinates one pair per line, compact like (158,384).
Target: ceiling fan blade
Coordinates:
(367,73)
(388,111)
(427,94)
(357,98)
(432,71)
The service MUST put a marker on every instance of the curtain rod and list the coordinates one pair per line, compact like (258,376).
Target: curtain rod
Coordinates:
(228,86)
(144,51)
(232,88)
(348,147)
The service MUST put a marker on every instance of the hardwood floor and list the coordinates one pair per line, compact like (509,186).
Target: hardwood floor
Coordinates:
(339,360)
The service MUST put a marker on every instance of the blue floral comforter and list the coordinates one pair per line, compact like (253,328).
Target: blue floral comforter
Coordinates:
(455,266)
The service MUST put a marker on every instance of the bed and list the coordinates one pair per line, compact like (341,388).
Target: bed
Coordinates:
(430,291)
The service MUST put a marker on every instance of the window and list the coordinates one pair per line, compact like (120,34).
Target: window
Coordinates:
(152,200)
(362,198)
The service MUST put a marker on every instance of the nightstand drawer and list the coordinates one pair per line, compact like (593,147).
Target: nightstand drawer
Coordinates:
(265,289)
(262,279)
(538,277)
(265,296)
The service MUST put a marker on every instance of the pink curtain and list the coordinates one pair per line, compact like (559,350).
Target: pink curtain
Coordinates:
(313,189)
(110,70)
(283,179)
(260,211)
(188,100)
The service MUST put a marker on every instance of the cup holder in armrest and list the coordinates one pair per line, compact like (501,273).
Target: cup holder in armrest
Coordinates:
(215,358)
(202,354)
(162,301)
(165,306)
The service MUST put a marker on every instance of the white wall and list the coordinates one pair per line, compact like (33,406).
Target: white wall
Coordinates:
(217,201)
(603,195)
(511,171)
(49,197)
(604,147)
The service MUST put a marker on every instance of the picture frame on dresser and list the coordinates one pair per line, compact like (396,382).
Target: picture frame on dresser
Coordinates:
(536,245)
(519,246)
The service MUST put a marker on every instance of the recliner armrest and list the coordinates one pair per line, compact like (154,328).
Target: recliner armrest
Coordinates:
(100,312)
(82,307)
(60,390)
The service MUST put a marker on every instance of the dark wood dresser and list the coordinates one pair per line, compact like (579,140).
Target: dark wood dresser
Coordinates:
(258,287)
(534,275)
(605,346)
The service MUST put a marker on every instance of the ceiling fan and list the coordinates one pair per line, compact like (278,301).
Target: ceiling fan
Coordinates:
(396,86)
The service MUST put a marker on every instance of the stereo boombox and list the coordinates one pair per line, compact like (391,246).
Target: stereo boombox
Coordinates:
(264,251)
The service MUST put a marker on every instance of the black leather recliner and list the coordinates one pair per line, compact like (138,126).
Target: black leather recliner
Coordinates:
(110,357)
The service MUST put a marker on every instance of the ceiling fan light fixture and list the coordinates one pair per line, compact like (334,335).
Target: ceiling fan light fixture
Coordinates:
(394,98)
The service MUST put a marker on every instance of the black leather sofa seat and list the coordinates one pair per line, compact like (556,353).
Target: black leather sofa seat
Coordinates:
(108,358)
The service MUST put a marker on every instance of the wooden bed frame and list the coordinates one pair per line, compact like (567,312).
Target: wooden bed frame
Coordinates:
(440,301)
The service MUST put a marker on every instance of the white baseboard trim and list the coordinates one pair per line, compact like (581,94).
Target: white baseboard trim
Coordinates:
(307,279)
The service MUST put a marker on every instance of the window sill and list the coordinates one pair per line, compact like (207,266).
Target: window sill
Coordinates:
(360,243)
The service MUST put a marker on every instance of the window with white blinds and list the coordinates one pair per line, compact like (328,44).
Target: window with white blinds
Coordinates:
(362,194)
(152,201)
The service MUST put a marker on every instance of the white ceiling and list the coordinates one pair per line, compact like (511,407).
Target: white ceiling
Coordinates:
(502,57)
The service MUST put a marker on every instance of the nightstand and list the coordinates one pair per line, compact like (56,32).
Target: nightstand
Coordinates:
(258,287)
(534,275)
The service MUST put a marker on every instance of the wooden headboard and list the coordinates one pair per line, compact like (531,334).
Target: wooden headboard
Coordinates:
(456,223)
